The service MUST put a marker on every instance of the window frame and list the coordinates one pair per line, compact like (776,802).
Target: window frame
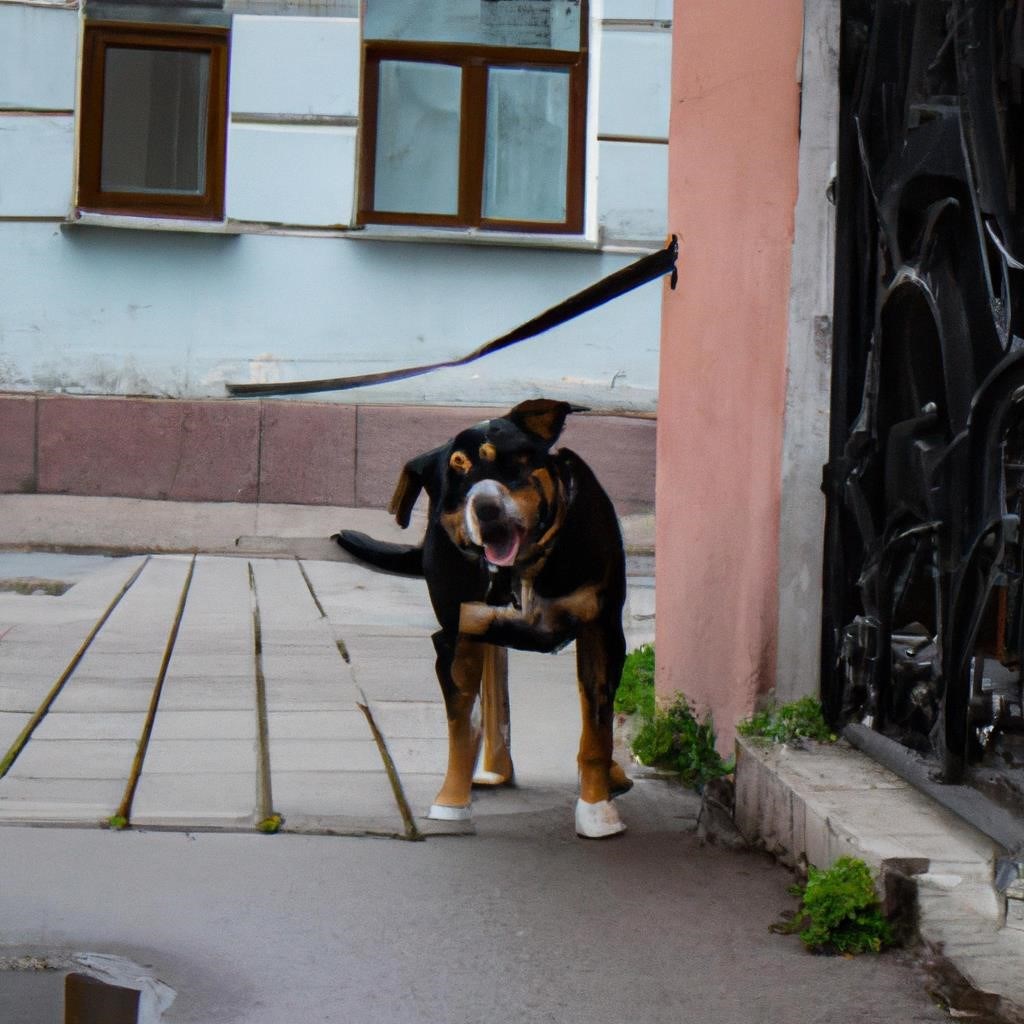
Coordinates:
(475,60)
(101,35)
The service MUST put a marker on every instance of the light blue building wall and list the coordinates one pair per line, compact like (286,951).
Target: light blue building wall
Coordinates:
(285,287)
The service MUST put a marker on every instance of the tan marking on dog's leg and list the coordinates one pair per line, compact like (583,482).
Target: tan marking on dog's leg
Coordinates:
(594,758)
(583,604)
(496,761)
(463,734)
(475,618)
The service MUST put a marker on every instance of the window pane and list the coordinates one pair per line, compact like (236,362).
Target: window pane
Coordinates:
(547,24)
(527,147)
(154,121)
(417,164)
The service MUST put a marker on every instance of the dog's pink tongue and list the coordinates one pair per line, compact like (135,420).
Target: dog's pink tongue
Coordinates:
(502,554)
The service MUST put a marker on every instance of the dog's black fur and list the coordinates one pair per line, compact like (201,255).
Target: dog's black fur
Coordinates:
(522,549)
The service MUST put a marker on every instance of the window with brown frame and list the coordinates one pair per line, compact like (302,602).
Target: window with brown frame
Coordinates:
(153,120)
(474,114)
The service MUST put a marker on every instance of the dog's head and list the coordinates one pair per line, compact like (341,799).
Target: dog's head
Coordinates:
(495,487)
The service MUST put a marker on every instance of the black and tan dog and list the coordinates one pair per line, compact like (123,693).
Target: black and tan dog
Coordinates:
(523,550)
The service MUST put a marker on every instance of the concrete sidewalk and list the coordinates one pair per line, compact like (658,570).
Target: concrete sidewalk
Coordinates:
(222,692)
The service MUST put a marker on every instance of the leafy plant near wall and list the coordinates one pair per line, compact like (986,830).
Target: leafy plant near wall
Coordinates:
(787,723)
(839,911)
(679,740)
(635,694)
(674,738)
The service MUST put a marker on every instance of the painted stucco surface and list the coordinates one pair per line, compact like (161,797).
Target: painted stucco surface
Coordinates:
(104,311)
(732,169)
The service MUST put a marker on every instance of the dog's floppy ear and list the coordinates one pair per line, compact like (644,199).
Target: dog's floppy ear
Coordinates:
(422,472)
(543,417)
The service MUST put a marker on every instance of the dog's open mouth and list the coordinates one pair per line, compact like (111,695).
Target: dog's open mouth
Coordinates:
(501,543)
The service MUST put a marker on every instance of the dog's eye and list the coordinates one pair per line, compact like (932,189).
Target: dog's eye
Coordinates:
(488,452)
(460,463)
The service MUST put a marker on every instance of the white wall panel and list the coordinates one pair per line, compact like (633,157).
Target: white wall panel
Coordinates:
(653,10)
(288,65)
(635,86)
(633,191)
(37,157)
(38,58)
(286,174)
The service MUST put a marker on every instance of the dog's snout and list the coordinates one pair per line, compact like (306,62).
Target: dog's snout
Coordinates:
(487,509)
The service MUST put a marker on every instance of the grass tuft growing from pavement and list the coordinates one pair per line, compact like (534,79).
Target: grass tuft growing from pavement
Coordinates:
(839,911)
(674,738)
(788,723)
(635,694)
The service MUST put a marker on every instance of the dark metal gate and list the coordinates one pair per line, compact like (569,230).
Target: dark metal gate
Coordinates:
(924,595)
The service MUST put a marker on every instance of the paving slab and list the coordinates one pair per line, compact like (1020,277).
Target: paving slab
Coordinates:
(418,755)
(40,637)
(200,755)
(355,597)
(215,724)
(324,755)
(90,725)
(195,800)
(204,694)
(411,719)
(348,802)
(129,693)
(73,759)
(125,681)
(319,724)
(61,801)
(11,725)
(206,778)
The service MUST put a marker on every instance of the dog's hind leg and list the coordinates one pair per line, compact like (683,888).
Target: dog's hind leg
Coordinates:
(495,767)
(598,663)
(459,671)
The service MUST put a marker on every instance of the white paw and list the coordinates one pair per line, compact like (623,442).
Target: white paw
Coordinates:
(439,812)
(482,777)
(597,821)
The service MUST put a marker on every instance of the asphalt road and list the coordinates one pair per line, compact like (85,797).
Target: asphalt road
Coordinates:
(520,923)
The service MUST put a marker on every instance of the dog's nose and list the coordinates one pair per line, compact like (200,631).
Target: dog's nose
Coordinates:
(487,511)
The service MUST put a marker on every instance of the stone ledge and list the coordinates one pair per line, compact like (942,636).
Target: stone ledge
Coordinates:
(270,450)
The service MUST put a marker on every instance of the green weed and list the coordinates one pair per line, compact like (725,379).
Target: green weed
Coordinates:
(678,740)
(785,723)
(635,694)
(839,911)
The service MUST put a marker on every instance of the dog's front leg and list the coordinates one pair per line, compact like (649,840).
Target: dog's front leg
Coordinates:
(459,671)
(599,656)
(495,768)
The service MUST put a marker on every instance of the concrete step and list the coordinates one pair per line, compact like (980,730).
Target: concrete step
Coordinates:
(815,804)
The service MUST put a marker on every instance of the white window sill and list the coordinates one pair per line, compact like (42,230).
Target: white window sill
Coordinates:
(472,236)
(81,218)
(373,233)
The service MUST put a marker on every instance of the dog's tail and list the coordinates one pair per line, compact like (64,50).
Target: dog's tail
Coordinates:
(404,559)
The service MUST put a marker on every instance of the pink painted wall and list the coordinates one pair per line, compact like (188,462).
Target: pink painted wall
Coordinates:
(732,190)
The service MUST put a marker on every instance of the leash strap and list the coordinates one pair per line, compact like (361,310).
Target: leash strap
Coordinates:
(648,268)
